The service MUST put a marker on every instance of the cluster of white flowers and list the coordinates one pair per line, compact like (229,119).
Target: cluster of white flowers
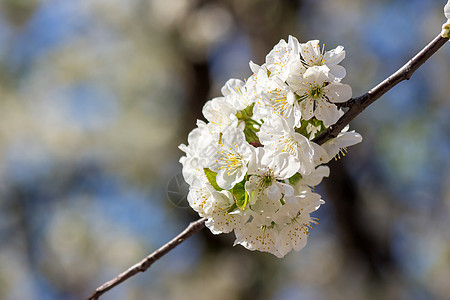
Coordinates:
(253,166)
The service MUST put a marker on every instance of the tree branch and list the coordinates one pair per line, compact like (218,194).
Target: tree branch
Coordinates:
(357,105)
(144,264)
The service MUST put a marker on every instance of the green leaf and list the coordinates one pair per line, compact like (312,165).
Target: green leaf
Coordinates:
(240,195)
(294,179)
(212,179)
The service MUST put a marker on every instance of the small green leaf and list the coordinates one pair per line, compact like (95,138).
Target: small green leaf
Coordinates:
(212,179)
(240,195)
(294,179)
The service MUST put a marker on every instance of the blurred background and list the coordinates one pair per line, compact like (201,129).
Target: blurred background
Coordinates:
(96,96)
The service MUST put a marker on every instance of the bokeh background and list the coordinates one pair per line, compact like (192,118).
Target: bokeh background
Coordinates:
(95,97)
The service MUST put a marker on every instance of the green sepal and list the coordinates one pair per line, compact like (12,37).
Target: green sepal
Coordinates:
(246,112)
(296,178)
(211,176)
(251,126)
(250,135)
(232,208)
(240,195)
(313,121)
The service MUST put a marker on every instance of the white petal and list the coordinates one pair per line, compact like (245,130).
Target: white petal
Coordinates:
(273,193)
(344,139)
(338,92)
(284,165)
(220,113)
(335,56)
(447,10)
(232,87)
(282,57)
(227,179)
(326,112)
(316,176)
(338,71)
(254,67)
(255,161)
(310,51)
(307,109)
(317,74)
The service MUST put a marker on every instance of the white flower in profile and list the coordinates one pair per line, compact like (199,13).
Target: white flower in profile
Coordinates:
(311,180)
(259,234)
(235,93)
(446,27)
(279,137)
(284,58)
(220,113)
(318,93)
(447,10)
(219,217)
(340,143)
(199,198)
(254,86)
(294,221)
(234,153)
(201,152)
(263,187)
(215,206)
(313,55)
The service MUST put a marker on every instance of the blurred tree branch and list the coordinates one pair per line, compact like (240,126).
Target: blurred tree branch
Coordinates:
(144,264)
(356,105)
(359,104)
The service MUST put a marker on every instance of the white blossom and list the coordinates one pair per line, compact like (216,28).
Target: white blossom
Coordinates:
(201,152)
(259,234)
(294,220)
(235,93)
(254,86)
(318,93)
(340,143)
(264,184)
(220,113)
(215,206)
(234,154)
(313,55)
(280,137)
(446,27)
(279,98)
(220,218)
(447,10)
(284,58)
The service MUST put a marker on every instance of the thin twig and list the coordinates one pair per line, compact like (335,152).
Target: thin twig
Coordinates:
(357,105)
(144,264)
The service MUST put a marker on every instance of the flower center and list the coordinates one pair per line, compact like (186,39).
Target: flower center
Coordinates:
(316,92)
(281,105)
(230,160)
(290,146)
(266,180)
